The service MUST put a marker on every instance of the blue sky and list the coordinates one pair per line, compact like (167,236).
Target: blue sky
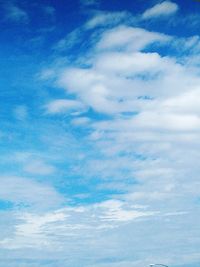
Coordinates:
(99,137)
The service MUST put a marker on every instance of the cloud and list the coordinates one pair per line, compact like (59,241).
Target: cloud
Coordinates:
(50,10)
(165,8)
(130,164)
(21,113)
(38,167)
(15,13)
(187,102)
(27,192)
(98,20)
(36,230)
(89,3)
(130,62)
(33,162)
(106,19)
(64,106)
(67,43)
(144,94)
(129,38)
(95,85)
(170,121)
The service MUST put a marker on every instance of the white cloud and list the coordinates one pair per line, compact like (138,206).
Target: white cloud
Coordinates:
(129,38)
(33,162)
(27,192)
(101,85)
(154,90)
(106,19)
(143,74)
(165,8)
(81,121)
(186,103)
(115,212)
(99,19)
(142,158)
(64,106)
(38,167)
(168,121)
(39,230)
(130,63)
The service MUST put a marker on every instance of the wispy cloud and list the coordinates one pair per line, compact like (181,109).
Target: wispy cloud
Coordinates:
(35,230)
(15,13)
(38,167)
(124,37)
(90,3)
(165,8)
(21,112)
(107,19)
(49,10)
(64,106)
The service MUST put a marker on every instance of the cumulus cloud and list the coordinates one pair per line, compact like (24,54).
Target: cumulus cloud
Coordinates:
(165,8)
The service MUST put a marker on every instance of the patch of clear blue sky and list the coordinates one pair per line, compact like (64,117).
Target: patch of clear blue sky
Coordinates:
(5,205)
(25,48)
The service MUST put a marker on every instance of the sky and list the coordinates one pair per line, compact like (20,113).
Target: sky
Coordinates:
(99,136)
